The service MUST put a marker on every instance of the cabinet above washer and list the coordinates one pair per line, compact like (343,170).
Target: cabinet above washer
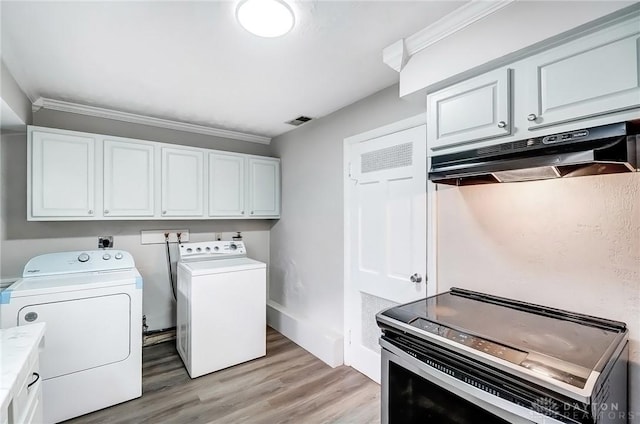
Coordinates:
(75,176)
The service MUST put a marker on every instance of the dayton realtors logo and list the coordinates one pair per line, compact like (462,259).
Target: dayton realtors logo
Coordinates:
(603,411)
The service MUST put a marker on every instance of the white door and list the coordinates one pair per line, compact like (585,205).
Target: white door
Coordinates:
(264,187)
(128,178)
(62,175)
(182,182)
(387,244)
(226,184)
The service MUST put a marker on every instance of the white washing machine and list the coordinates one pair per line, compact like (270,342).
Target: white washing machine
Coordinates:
(92,304)
(221,310)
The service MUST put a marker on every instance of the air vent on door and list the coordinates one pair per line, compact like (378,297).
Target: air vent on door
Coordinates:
(299,120)
(396,156)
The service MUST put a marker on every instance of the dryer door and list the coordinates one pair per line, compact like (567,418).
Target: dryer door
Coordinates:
(81,333)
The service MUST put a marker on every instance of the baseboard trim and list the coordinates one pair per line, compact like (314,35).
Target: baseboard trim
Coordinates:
(325,344)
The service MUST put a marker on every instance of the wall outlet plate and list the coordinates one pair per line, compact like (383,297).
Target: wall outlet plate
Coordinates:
(105,242)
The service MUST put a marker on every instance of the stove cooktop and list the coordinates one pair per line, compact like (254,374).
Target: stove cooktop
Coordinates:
(562,345)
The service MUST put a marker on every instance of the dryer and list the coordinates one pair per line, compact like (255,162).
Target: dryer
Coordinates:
(221,308)
(92,304)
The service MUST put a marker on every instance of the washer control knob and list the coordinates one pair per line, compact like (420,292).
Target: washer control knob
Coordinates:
(106,256)
(119,256)
(208,249)
(233,246)
(216,248)
(189,250)
(83,257)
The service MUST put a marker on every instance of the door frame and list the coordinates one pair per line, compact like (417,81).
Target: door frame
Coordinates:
(348,144)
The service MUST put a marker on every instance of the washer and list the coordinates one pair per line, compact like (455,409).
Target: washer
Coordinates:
(221,310)
(92,304)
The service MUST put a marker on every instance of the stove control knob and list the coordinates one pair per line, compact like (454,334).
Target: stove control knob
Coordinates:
(119,256)
(233,246)
(106,256)
(83,257)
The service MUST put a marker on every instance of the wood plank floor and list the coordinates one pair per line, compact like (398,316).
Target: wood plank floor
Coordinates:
(288,385)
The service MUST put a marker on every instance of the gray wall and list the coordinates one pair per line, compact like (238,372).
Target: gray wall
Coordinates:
(572,244)
(13,95)
(22,240)
(307,242)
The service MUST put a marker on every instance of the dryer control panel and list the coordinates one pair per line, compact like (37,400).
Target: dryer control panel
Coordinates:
(78,261)
(208,250)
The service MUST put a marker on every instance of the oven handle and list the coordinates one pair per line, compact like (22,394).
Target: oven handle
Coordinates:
(393,354)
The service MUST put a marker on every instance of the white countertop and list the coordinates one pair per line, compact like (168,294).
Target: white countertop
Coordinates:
(17,344)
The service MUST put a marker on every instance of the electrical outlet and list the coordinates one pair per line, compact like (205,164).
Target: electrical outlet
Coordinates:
(105,242)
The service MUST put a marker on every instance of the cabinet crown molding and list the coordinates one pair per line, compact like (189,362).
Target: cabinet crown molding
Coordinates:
(398,54)
(63,106)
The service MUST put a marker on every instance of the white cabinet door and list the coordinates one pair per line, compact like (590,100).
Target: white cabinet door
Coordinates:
(128,178)
(474,109)
(63,170)
(182,182)
(226,184)
(264,187)
(596,74)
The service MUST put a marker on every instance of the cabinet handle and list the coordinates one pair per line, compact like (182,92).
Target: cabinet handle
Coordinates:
(241,212)
(164,212)
(532,117)
(502,124)
(251,212)
(37,377)
(106,211)
(90,211)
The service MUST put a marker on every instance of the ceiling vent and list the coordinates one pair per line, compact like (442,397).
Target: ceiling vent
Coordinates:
(298,121)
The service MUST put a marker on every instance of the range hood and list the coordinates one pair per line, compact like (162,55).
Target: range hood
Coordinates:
(605,149)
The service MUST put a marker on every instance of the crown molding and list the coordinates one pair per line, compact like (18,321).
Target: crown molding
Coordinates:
(397,54)
(44,103)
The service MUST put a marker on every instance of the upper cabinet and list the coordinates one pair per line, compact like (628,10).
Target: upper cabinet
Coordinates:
(590,76)
(471,110)
(77,176)
(264,187)
(62,177)
(129,178)
(227,184)
(590,81)
(182,182)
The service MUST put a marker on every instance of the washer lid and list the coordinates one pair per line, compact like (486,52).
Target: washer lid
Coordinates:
(32,286)
(218,266)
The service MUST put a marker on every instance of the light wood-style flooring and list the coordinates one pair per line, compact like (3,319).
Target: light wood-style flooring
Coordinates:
(288,385)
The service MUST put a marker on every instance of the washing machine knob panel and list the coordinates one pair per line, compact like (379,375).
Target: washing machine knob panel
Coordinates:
(83,257)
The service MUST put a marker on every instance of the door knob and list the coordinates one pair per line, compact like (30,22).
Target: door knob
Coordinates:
(416,278)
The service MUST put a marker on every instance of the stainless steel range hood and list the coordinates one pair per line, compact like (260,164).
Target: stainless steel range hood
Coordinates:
(605,149)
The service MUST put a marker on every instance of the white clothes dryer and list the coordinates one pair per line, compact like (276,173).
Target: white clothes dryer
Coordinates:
(221,308)
(92,304)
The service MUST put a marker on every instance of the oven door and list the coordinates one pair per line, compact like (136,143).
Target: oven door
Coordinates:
(414,392)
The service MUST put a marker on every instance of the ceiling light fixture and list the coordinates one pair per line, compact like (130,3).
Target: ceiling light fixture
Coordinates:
(265,18)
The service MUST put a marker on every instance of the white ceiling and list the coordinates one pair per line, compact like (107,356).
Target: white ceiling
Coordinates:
(191,62)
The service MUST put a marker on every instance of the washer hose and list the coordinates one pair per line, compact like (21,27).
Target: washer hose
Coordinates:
(173,286)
